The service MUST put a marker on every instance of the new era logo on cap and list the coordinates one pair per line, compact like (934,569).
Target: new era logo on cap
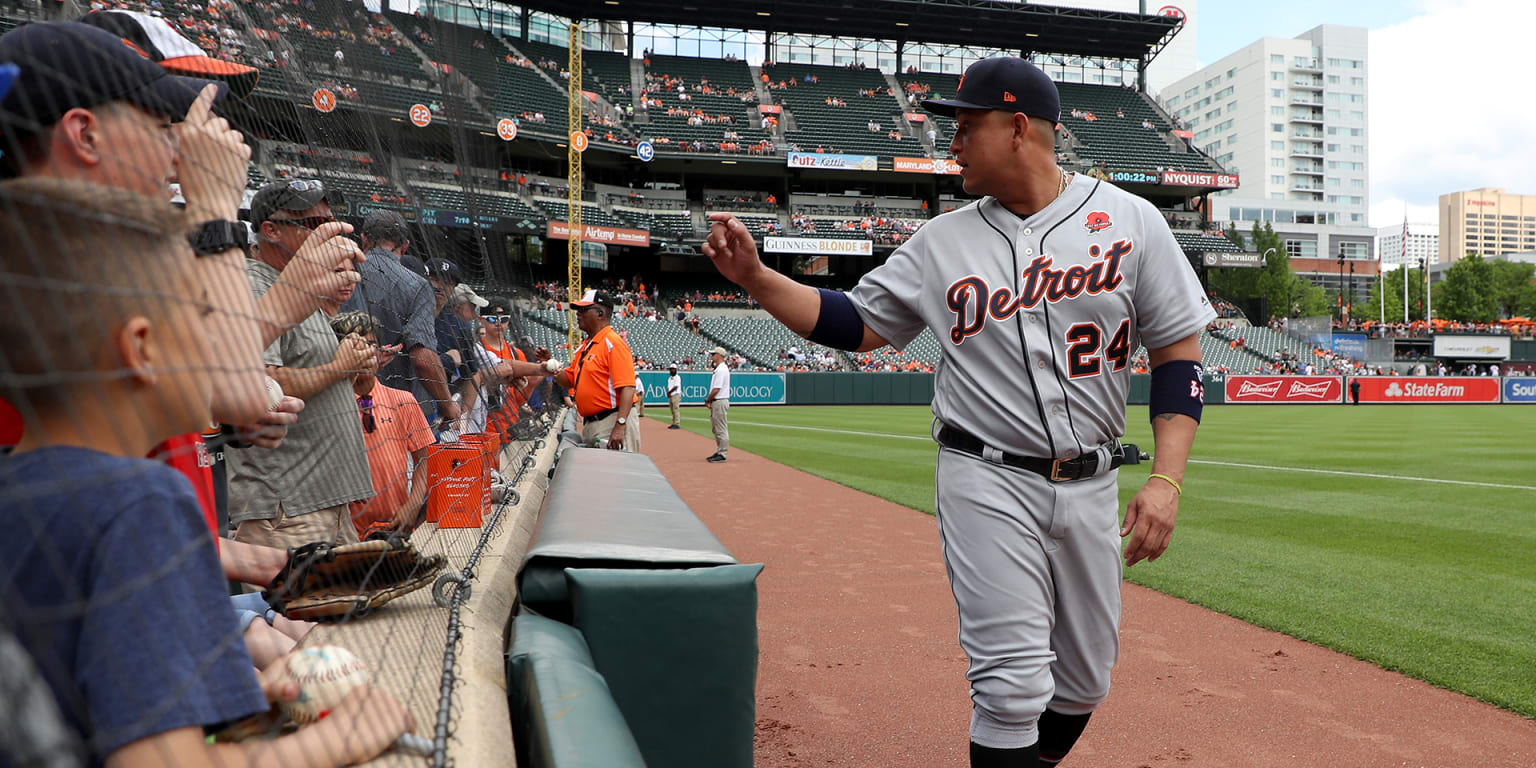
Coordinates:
(1008,96)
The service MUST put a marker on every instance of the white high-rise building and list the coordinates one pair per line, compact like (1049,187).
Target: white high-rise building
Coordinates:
(1423,243)
(1288,115)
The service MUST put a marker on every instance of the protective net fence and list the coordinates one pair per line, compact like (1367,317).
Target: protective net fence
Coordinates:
(265,267)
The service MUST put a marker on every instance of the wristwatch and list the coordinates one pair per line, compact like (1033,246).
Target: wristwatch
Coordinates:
(621,421)
(216,236)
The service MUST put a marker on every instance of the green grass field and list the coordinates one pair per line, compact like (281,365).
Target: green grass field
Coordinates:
(1433,579)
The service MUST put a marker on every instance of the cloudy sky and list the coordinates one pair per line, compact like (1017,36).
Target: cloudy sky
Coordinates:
(1451,104)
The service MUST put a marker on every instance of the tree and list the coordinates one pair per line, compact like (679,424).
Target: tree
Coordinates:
(1371,308)
(1513,288)
(1467,293)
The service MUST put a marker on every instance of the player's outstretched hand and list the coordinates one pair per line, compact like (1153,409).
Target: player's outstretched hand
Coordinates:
(731,248)
(1151,515)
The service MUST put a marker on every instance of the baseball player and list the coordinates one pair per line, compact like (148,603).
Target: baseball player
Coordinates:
(1039,293)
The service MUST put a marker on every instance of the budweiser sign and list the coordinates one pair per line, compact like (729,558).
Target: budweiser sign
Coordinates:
(1285,389)
(1191,179)
(1399,389)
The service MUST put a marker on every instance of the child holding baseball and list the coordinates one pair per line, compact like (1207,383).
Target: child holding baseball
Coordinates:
(110,580)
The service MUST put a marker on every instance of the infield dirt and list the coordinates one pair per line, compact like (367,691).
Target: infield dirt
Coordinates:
(860,665)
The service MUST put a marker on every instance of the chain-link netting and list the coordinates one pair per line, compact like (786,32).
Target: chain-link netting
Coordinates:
(264,267)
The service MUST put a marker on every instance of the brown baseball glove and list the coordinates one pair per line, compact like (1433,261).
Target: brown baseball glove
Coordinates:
(324,582)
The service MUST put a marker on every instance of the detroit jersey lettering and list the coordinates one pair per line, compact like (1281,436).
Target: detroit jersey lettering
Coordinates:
(1038,317)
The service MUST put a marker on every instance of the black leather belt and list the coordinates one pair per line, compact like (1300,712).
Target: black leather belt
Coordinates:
(1054,470)
(600,415)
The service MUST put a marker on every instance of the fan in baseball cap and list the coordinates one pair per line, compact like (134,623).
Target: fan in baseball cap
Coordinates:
(1004,83)
(155,38)
(67,65)
(291,195)
(594,297)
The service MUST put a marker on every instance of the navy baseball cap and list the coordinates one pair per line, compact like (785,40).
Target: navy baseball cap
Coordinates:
(1005,83)
(67,65)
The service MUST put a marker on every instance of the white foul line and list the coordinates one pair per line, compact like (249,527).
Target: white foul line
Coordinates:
(1340,472)
(1365,474)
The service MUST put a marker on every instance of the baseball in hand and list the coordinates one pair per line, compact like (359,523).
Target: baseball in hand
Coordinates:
(554,366)
(274,393)
(325,674)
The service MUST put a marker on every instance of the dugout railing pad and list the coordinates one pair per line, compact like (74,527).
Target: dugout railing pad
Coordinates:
(630,604)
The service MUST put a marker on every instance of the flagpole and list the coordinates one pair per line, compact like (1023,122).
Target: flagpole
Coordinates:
(1404,262)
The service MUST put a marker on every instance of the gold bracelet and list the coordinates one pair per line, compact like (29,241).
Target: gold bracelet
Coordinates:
(1176,487)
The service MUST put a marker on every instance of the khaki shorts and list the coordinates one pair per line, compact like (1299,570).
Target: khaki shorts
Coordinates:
(333,524)
(594,434)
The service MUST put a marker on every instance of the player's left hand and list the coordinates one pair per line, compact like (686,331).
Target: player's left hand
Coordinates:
(1151,515)
(270,430)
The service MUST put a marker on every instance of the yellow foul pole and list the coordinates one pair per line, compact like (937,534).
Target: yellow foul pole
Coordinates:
(575,143)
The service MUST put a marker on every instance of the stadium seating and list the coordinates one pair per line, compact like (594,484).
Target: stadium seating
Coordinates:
(655,343)
(1118,142)
(762,340)
(663,224)
(841,129)
(559,210)
(354,173)
(923,85)
(377,59)
(922,354)
(731,101)
(1197,242)
(526,84)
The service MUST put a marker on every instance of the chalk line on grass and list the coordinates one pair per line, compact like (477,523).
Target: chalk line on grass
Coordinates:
(1266,467)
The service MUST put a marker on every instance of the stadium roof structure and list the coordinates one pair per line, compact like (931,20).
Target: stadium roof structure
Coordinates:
(1003,24)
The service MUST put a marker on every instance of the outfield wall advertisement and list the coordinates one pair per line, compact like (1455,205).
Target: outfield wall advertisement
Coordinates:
(1285,389)
(1418,389)
(746,388)
(1520,390)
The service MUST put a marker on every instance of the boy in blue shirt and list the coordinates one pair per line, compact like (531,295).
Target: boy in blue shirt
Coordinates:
(107,573)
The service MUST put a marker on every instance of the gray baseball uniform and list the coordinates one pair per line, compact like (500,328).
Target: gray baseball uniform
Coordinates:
(1037,318)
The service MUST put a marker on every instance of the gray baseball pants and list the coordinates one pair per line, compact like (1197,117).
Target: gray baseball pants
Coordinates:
(1035,569)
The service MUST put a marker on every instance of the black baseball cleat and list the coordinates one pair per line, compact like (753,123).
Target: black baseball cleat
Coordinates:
(716,458)
(674,426)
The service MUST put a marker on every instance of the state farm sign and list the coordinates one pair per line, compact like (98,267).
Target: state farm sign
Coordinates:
(559,230)
(1188,179)
(1285,389)
(1399,389)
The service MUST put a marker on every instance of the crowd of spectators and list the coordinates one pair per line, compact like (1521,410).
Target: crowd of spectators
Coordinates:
(880,361)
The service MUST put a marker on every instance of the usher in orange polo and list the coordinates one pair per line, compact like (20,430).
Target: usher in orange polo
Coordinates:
(602,367)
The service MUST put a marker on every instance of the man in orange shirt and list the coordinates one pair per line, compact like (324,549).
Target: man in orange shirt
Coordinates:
(602,373)
(394,430)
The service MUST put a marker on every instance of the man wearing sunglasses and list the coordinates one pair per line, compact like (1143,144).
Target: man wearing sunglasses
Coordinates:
(299,492)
